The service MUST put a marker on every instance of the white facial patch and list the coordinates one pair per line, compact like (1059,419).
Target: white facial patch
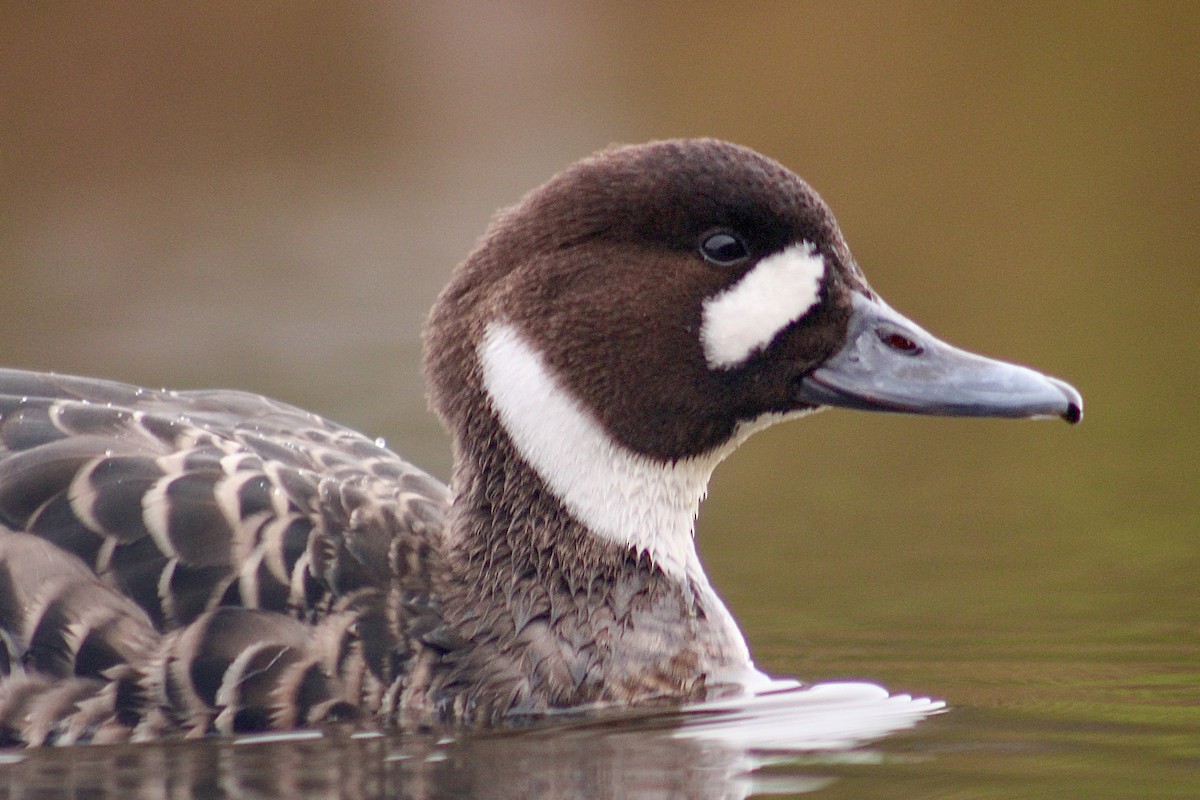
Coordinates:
(747,316)
(620,495)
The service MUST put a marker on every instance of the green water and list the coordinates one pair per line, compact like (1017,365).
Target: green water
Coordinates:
(270,201)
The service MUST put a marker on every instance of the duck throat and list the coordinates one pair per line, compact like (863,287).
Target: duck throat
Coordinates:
(625,498)
(571,552)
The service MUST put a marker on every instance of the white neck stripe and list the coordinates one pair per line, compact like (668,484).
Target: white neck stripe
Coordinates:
(624,497)
(747,316)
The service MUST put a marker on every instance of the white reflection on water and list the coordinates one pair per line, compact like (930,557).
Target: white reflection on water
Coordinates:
(782,740)
(791,717)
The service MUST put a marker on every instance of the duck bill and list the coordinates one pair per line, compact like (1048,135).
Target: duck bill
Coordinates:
(889,363)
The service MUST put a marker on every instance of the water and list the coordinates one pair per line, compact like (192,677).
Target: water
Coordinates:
(776,742)
(271,201)
(793,745)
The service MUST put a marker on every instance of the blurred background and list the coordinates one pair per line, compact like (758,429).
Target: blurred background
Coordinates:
(269,196)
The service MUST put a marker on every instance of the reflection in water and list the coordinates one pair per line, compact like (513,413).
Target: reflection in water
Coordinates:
(710,751)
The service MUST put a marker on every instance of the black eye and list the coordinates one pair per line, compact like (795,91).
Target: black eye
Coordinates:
(723,249)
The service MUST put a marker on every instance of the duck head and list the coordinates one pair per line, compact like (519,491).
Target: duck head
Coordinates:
(682,293)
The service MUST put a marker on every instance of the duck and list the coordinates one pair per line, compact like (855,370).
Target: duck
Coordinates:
(188,563)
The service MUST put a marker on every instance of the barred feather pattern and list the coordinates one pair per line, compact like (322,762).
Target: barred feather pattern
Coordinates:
(191,562)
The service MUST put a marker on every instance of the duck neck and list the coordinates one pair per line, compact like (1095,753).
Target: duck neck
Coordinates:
(628,499)
(572,571)
(531,584)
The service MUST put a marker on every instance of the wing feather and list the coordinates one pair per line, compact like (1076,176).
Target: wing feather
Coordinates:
(199,561)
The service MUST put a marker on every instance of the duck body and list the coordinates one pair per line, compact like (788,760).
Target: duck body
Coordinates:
(190,562)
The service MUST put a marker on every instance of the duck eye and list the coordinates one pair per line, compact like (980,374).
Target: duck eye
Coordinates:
(723,249)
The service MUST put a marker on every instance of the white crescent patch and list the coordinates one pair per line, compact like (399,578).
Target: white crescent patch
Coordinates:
(620,495)
(630,499)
